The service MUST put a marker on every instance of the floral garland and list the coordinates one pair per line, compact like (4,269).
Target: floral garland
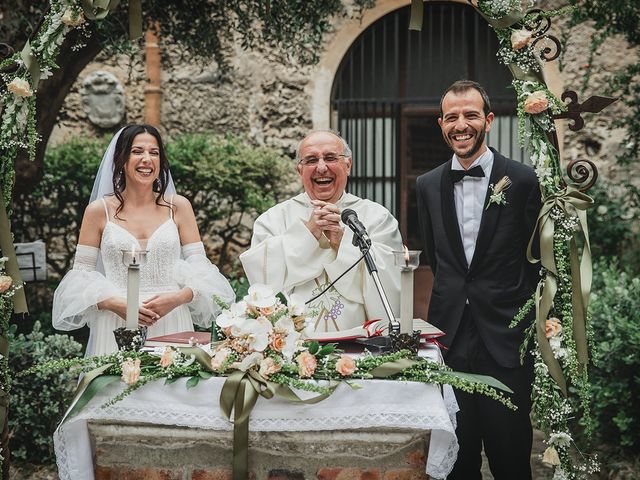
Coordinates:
(21,74)
(263,353)
(560,334)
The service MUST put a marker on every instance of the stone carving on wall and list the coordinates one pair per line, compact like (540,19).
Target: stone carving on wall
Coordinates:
(103,98)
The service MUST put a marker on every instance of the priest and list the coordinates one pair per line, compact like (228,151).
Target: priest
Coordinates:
(300,245)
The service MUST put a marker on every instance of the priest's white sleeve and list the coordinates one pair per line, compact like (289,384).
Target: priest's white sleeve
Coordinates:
(82,288)
(284,257)
(204,279)
(357,285)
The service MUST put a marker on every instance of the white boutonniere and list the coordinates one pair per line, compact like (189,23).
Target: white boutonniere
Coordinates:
(497,192)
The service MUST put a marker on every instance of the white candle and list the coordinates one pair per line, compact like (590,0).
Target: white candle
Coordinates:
(406,296)
(133,291)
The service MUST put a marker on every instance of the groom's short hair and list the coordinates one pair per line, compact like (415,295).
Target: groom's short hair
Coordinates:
(462,86)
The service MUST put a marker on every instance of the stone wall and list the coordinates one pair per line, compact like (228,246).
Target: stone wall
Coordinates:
(136,452)
(268,97)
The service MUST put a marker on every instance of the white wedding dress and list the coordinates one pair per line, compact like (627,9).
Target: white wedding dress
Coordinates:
(169,267)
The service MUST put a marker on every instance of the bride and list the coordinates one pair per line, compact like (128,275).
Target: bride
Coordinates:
(133,204)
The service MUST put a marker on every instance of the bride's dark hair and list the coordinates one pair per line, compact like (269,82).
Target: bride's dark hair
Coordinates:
(121,157)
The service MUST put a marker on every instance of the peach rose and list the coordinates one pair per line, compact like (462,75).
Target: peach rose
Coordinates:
(345,365)
(72,18)
(268,367)
(5,283)
(307,364)
(553,327)
(266,311)
(20,87)
(520,38)
(130,370)
(277,341)
(536,102)
(219,358)
(167,358)
(550,457)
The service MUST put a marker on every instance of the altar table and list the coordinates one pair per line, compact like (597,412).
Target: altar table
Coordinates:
(378,403)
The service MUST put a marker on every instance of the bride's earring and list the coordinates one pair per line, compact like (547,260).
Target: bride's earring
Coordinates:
(119,181)
(156,185)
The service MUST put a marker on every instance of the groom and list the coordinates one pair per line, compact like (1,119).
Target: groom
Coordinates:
(475,237)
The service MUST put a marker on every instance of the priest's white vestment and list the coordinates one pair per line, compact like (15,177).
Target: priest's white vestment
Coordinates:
(285,255)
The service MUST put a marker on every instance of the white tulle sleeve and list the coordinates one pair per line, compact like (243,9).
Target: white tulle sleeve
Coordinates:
(76,298)
(195,271)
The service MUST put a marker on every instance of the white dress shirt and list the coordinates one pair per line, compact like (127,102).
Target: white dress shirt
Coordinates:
(469,194)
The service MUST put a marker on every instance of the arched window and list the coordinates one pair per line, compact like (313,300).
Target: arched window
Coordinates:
(386,95)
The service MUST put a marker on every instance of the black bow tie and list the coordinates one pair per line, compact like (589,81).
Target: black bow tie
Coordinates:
(457,175)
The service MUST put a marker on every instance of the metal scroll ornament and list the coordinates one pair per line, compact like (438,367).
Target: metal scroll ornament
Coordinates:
(583,173)
(539,25)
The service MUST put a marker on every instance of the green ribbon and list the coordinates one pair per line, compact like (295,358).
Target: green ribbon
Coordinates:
(32,65)
(417,14)
(571,201)
(239,395)
(6,245)
(99,9)
(92,382)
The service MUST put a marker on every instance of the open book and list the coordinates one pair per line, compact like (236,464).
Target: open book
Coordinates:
(179,339)
(374,328)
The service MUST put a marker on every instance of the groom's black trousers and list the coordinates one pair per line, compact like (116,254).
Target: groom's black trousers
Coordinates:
(506,435)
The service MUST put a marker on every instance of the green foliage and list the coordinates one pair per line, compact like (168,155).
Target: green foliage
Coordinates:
(615,313)
(229,184)
(53,211)
(619,17)
(613,220)
(38,401)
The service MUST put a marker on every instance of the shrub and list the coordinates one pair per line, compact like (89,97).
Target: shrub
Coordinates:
(615,313)
(613,222)
(38,401)
(229,184)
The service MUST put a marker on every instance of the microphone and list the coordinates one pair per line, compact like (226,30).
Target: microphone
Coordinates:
(350,218)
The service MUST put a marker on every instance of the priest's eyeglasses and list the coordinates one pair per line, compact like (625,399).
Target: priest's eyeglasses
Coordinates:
(327,157)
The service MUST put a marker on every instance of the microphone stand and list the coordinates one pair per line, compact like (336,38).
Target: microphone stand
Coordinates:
(364,245)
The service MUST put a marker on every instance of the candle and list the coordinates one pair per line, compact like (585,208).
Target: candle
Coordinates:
(133,289)
(408,261)
(406,295)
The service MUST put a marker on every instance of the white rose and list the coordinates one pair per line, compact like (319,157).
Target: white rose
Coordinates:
(20,87)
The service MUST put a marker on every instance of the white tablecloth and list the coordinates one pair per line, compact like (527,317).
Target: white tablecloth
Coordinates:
(379,403)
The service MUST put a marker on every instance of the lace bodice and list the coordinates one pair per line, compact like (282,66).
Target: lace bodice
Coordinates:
(158,274)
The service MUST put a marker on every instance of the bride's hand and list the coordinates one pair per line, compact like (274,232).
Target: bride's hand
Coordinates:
(118,305)
(165,302)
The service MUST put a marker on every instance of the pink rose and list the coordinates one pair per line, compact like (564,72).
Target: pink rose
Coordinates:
(130,370)
(266,311)
(268,367)
(167,357)
(345,365)
(20,87)
(5,283)
(277,341)
(552,328)
(307,364)
(520,39)
(219,358)
(536,102)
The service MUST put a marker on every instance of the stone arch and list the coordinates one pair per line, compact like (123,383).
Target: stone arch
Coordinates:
(346,35)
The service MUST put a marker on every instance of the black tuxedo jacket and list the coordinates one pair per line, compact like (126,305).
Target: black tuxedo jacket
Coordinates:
(500,279)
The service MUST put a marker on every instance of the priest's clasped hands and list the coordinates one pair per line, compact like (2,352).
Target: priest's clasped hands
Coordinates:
(325,220)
